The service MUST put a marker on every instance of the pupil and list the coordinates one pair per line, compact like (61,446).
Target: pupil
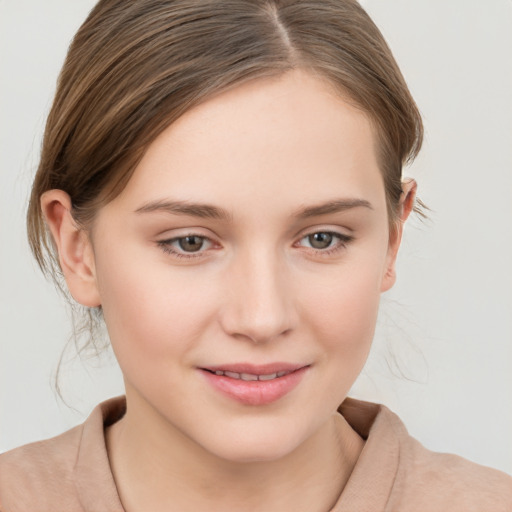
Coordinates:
(320,240)
(191,243)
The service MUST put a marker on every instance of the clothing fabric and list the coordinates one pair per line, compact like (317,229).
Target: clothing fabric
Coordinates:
(394,472)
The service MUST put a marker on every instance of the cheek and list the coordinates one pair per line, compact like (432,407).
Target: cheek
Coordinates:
(341,309)
(151,310)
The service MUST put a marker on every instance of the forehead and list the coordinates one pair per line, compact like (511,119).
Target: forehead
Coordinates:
(288,137)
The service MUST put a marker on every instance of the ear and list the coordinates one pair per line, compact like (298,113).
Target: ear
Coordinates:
(76,256)
(405,206)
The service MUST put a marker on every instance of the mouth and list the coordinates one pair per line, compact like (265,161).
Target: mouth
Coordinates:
(255,385)
(249,377)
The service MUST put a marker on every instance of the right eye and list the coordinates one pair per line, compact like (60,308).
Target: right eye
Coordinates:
(321,240)
(188,246)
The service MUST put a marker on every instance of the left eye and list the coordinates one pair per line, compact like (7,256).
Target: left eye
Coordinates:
(191,243)
(188,244)
(323,240)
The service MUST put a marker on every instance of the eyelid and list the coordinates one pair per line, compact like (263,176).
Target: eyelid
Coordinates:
(342,232)
(343,240)
(166,245)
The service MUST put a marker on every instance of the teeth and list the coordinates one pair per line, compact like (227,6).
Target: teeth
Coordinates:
(250,376)
(267,377)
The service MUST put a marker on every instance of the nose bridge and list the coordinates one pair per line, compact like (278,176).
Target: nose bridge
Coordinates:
(260,306)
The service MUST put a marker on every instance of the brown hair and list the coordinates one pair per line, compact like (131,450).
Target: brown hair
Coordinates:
(135,66)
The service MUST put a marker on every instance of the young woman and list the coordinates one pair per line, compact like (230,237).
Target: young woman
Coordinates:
(221,181)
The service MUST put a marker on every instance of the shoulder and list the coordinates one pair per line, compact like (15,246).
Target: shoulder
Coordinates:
(449,482)
(397,473)
(427,480)
(69,472)
(40,474)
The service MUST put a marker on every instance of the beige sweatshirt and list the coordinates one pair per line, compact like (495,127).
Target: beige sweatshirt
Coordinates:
(394,473)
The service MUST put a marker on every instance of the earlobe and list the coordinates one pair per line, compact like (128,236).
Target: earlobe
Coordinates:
(76,256)
(405,207)
(389,278)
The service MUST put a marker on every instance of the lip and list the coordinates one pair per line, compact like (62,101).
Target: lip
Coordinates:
(256,369)
(258,392)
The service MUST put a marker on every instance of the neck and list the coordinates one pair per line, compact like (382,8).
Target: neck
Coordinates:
(168,471)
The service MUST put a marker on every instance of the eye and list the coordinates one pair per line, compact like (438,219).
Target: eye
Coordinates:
(186,246)
(325,241)
(192,243)
(320,240)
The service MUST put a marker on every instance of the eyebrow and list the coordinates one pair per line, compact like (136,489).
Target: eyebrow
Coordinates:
(208,211)
(202,210)
(333,206)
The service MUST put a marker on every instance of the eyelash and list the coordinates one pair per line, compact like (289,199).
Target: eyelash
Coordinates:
(343,241)
(166,246)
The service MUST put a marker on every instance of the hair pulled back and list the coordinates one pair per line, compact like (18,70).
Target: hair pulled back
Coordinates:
(135,66)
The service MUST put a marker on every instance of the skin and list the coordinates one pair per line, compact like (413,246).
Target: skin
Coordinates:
(256,291)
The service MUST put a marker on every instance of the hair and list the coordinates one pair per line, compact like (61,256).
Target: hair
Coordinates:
(135,66)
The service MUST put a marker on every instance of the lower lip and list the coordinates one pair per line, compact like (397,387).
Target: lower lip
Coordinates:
(255,392)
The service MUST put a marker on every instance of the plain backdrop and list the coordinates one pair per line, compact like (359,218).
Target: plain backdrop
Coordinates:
(442,357)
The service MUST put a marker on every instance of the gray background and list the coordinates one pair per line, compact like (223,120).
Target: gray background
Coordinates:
(442,358)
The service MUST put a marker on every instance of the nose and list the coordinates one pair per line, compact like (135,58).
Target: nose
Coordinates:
(259,304)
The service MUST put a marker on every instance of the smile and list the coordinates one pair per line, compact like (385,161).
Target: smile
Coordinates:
(250,376)
(253,385)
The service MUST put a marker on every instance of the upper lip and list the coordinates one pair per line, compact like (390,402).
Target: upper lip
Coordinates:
(253,369)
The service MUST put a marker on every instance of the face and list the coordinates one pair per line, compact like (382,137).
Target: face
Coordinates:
(240,269)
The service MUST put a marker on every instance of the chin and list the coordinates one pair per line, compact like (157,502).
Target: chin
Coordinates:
(255,443)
